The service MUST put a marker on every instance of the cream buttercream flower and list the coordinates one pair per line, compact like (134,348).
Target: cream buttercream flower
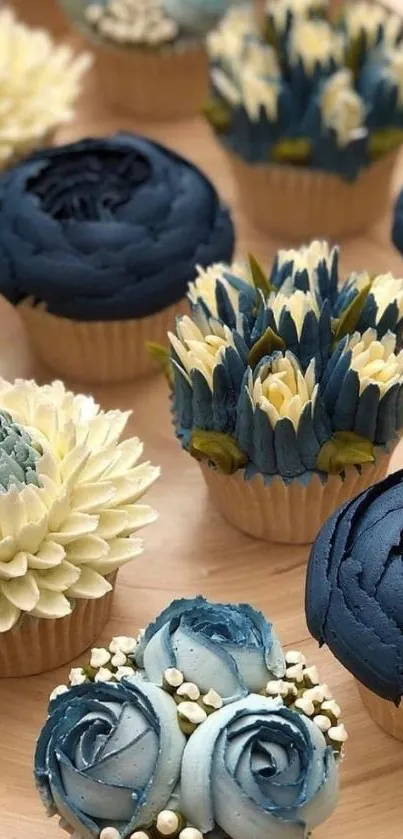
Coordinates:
(198,350)
(258,93)
(62,533)
(279,10)
(204,286)
(366,18)
(282,390)
(342,108)
(261,59)
(298,304)
(315,42)
(39,84)
(376,362)
(227,41)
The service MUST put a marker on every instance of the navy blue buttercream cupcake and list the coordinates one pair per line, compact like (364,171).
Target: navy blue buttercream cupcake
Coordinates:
(354,596)
(98,241)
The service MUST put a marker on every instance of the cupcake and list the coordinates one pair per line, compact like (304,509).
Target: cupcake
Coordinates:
(354,596)
(286,390)
(310,113)
(167,746)
(68,512)
(150,54)
(38,92)
(98,242)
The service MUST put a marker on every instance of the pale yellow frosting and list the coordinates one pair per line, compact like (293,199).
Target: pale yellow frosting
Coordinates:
(59,540)
(39,84)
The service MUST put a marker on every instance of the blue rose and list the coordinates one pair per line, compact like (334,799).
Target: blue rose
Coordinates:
(257,769)
(354,588)
(231,648)
(107,229)
(109,754)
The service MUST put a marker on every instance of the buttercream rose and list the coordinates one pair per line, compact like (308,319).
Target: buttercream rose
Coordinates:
(354,587)
(107,229)
(257,769)
(231,648)
(109,754)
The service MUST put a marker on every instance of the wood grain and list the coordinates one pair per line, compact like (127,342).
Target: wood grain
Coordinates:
(190,549)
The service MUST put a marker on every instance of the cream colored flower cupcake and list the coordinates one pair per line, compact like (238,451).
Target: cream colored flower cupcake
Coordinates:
(39,84)
(68,512)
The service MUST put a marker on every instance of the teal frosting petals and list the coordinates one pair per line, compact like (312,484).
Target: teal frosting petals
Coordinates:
(366,415)
(386,427)
(288,461)
(18,455)
(109,754)
(258,769)
(231,648)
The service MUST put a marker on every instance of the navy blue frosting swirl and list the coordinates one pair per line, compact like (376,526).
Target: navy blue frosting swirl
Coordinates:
(354,587)
(397,228)
(108,228)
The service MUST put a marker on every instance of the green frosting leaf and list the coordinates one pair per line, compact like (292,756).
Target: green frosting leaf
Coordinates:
(217,113)
(218,449)
(347,322)
(344,449)
(260,279)
(161,355)
(384,140)
(18,455)
(268,343)
(296,150)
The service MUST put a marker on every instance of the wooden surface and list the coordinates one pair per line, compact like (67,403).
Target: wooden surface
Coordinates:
(191,550)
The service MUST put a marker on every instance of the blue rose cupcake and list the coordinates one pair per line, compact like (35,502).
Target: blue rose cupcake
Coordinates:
(310,113)
(141,744)
(98,241)
(288,389)
(150,54)
(354,601)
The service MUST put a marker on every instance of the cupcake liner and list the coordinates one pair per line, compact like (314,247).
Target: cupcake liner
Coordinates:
(384,713)
(153,84)
(288,513)
(36,645)
(104,352)
(299,204)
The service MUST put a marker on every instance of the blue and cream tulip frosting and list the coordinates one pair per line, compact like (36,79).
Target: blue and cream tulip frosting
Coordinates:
(148,24)
(107,229)
(354,587)
(288,373)
(200,727)
(307,90)
(68,500)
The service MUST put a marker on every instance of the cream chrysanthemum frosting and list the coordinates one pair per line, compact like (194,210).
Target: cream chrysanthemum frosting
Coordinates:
(39,84)
(68,499)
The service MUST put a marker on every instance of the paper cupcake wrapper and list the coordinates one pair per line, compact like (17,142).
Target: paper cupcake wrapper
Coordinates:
(153,84)
(102,352)
(299,204)
(36,645)
(288,513)
(384,713)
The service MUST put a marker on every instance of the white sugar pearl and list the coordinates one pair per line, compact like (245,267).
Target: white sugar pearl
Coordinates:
(139,834)
(103,675)
(190,833)
(294,657)
(167,822)
(327,693)
(312,674)
(305,705)
(338,733)
(123,672)
(192,712)
(109,833)
(94,13)
(276,688)
(58,691)
(322,722)
(213,700)
(119,659)
(189,689)
(333,707)
(295,672)
(99,657)
(77,676)
(173,677)
(123,644)
(314,694)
